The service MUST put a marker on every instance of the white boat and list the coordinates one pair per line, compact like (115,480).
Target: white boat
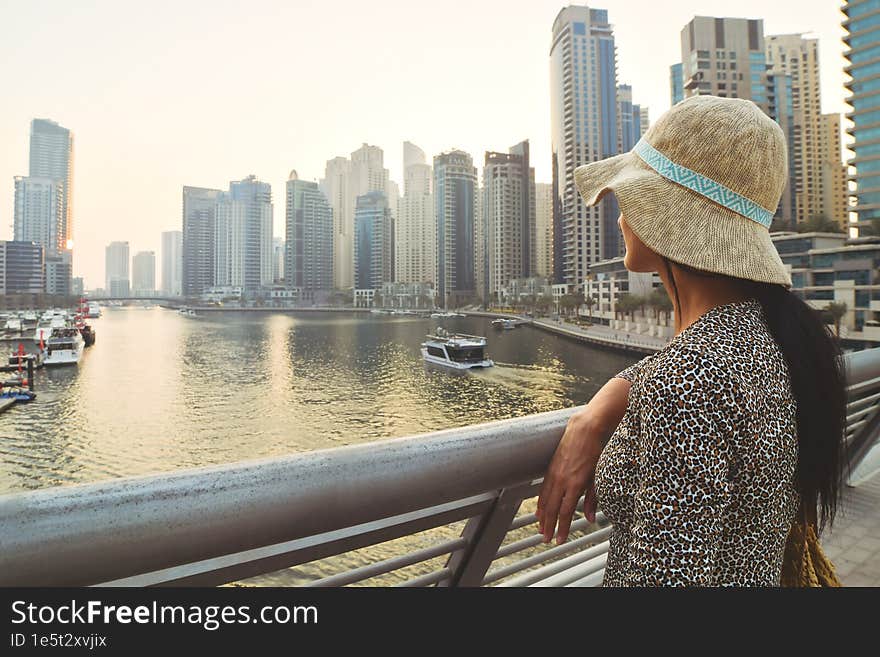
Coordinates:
(504,323)
(30,318)
(43,330)
(94,310)
(13,324)
(187,312)
(457,351)
(445,314)
(65,347)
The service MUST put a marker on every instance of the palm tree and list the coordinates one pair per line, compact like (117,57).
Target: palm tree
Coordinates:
(836,310)
(589,302)
(660,300)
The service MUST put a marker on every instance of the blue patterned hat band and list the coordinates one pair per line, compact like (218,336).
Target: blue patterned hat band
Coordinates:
(700,184)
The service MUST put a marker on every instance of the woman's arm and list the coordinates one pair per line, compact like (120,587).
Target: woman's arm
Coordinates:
(573,467)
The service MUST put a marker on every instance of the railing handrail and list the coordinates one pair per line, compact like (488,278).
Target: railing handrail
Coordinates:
(99,532)
(90,533)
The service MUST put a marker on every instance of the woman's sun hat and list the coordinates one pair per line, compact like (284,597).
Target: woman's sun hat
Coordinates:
(701,187)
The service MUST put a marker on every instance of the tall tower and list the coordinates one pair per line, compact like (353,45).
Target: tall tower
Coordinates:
(199,236)
(172,263)
(308,261)
(244,235)
(374,241)
(116,271)
(508,218)
(584,117)
(544,230)
(415,231)
(862,40)
(143,274)
(51,156)
(455,203)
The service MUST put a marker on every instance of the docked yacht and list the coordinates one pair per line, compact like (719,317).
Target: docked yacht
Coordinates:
(504,323)
(457,351)
(94,310)
(64,347)
(13,325)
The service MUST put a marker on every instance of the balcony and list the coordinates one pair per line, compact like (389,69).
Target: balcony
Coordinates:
(468,493)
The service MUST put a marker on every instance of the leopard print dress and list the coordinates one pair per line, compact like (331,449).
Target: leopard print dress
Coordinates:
(698,478)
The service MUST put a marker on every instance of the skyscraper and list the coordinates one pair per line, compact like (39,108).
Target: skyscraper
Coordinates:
(374,241)
(863,44)
(116,270)
(544,230)
(199,250)
(724,57)
(309,240)
(584,117)
(629,124)
(644,120)
(21,268)
(172,263)
(51,156)
(508,219)
(415,231)
(455,203)
(794,56)
(243,237)
(277,259)
(38,212)
(676,84)
(835,190)
(143,270)
(336,186)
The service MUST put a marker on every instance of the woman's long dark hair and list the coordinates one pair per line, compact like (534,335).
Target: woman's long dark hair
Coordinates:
(818,382)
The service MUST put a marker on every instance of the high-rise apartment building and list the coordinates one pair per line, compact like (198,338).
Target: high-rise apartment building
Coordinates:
(544,230)
(644,120)
(584,128)
(116,269)
(797,57)
(278,259)
(835,189)
(508,219)
(21,268)
(455,209)
(309,242)
(172,263)
(629,121)
(51,156)
(862,40)
(38,212)
(415,230)
(243,237)
(724,57)
(198,242)
(374,241)
(143,274)
(336,186)
(676,84)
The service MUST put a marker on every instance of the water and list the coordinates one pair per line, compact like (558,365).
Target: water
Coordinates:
(160,391)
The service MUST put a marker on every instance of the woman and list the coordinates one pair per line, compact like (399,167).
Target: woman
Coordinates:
(737,423)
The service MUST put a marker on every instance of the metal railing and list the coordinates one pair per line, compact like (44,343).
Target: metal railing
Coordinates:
(467,493)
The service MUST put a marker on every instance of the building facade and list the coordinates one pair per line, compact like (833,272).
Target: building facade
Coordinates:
(309,232)
(336,186)
(143,274)
(199,234)
(415,230)
(835,189)
(629,124)
(455,209)
(862,40)
(676,84)
(584,128)
(243,236)
(172,263)
(116,269)
(38,213)
(21,268)
(374,241)
(508,219)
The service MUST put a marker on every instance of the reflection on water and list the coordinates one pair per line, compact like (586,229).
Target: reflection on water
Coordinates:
(160,391)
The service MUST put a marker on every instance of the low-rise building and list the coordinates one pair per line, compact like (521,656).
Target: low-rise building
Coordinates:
(408,295)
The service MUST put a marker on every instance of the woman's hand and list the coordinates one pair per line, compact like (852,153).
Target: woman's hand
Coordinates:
(573,467)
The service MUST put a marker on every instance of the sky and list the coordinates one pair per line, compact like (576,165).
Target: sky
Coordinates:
(163,94)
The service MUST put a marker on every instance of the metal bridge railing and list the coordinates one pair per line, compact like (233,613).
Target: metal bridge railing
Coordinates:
(450,508)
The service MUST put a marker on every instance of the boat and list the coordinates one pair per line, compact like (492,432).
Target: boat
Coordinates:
(64,347)
(18,394)
(445,314)
(17,361)
(88,335)
(85,330)
(13,324)
(458,351)
(187,312)
(29,318)
(504,323)
(93,311)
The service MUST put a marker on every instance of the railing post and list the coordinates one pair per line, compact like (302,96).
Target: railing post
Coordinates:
(484,535)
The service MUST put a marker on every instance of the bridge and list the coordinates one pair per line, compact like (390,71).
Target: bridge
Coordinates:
(450,508)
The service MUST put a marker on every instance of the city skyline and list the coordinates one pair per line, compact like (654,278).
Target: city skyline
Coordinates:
(142,120)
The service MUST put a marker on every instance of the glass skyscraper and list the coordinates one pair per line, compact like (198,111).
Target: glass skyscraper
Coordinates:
(862,24)
(308,254)
(373,242)
(455,203)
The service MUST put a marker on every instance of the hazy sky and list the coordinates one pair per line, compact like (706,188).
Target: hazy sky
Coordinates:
(162,94)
